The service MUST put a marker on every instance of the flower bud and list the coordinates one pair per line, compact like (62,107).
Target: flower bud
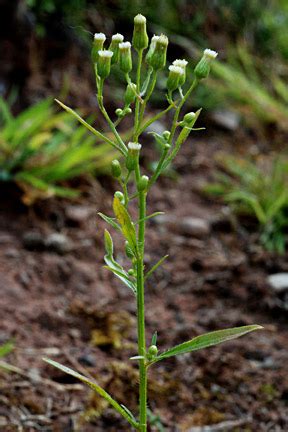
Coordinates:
(129,252)
(131,272)
(114,47)
(181,63)
(140,38)
(120,196)
(202,69)
(189,118)
(166,135)
(104,63)
(119,112)
(125,57)
(152,352)
(156,56)
(116,168)
(143,183)
(98,42)
(133,155)
(130,94)
(175,73)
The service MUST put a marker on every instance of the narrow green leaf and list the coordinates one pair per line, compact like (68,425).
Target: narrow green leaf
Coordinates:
(150,216)
(123,276)
(154,339)
(110,221)
(97,389)
(207,340)
(127,226)
(149,273)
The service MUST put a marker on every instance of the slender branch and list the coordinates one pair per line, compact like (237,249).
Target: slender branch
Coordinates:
(153,119)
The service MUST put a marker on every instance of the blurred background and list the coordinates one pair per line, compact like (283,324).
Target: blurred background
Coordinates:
(225,229)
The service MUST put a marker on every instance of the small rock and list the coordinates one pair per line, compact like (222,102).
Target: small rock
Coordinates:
(58,243)
(194,227)
(279,281)
(78,214)
(33,240)
(12,253)
(229,120)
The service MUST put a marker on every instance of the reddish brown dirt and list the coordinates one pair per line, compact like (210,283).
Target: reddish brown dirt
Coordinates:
(69,308)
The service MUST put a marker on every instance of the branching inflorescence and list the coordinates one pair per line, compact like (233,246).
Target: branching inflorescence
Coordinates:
(135,185)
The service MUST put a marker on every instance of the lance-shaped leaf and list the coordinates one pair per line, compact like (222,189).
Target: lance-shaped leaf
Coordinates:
(123,411)
(149,273)
(207,340)
(114,266)
(110,221)
(127,226)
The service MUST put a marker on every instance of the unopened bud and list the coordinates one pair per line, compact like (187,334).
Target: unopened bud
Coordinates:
(131,272)
(133,155)
(156,56)
(125,58)
(143,183)
(202,69)
(166,135)
(152,352)
(98,42)
(130,94)
(120,196)
(189,118)
(175,73)
(140,38)
(119,112)
(104,63)
(116,168)
(181,63)
(114,46)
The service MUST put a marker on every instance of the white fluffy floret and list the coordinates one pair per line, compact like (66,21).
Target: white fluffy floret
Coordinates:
(181,63)
(176,69)
(118,37)
(134,146)
(99,37)
(139,19)
(124,45)
(105,53)
(210,53)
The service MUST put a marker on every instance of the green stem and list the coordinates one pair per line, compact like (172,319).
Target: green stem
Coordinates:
(109,121)
(137,103)
(153,119)
(149,93)
(141,309)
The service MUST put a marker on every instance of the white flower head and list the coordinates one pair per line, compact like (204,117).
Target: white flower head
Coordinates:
(163,40)
(181,63)
(210,54)
(99,37)
(124,45)
(176,69)
(139,19)
(118,37)
(134,146)
(105,53)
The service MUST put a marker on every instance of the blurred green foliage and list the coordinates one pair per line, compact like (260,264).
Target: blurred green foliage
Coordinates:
(41,148)
(260,190)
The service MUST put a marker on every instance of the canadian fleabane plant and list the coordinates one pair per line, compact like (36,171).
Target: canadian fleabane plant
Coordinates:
(135,186)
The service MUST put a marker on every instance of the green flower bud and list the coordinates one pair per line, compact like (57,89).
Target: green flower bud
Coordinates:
(143,183)
(133,155)
(189,118)
(140,38)
(108,242)
(152,352)
(166,135)
(114,47)
(181,63)
(125,58)
(104,63)
(130,94)
(131,272)
(129,252)
(116,168)
(156,56)
(119,112)
(127,111)
(98,42)
(175,73)
(120,196)
(202,69)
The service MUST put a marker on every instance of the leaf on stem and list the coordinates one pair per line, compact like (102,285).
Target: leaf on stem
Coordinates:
(114,266)
(206,340)
(149,273)
(110,221)
(128,228)
(120,409)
